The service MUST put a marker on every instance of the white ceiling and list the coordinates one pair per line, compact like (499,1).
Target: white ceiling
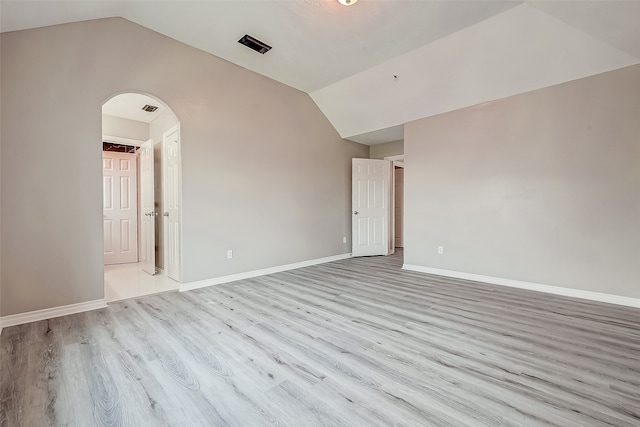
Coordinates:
(129,106)
(447,54)
(517,51)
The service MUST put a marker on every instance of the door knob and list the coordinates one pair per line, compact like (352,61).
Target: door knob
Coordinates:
(165,214)
(355,212)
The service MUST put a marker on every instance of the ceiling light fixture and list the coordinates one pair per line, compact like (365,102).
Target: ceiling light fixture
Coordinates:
(347,2)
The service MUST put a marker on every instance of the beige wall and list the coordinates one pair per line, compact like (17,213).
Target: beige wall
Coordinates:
(0,193)
(542,187)
(264,172)
(124,128)
(380,151)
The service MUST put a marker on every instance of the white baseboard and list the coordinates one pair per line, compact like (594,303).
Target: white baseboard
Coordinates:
(557,290)
(255,273)
(49,313)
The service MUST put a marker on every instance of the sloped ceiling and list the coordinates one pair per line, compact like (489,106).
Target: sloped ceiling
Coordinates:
(517,51)
(446,54)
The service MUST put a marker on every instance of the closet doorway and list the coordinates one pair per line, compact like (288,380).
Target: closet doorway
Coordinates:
(141,196)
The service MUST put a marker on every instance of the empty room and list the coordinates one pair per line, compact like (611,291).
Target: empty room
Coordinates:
(319,212)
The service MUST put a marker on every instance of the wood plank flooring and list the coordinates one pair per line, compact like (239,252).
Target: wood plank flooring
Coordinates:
(357,342)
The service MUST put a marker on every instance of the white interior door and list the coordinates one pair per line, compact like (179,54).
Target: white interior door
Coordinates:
(172,202)
(147,202)
(120,207)
(370,207)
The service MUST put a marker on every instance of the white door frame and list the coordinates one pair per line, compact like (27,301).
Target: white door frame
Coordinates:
(148,211)
(399,162)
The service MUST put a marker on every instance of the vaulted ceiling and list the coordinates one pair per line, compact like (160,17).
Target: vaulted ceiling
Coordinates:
(375,65)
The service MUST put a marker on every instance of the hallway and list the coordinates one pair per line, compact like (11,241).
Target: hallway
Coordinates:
(124,281)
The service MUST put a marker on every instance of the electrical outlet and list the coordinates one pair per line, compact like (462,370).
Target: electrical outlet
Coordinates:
(229,254)
(344,239)
(440,250)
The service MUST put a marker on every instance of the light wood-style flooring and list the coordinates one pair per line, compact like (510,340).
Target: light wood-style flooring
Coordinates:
(357,342)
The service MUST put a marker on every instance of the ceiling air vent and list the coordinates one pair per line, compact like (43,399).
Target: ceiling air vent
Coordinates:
(254,44)
(149,108)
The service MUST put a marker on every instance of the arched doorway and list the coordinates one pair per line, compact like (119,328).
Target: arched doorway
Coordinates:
(141,196)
